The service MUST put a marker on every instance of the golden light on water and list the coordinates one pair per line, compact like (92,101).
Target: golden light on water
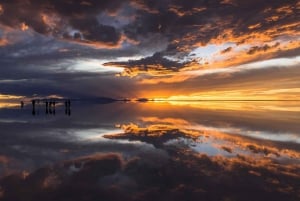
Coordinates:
(8,101)
(8,105)
(9,97)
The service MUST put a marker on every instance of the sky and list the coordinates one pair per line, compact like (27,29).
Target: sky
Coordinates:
(166,49)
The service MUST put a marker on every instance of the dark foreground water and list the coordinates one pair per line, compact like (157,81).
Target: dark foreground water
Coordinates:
(151,151)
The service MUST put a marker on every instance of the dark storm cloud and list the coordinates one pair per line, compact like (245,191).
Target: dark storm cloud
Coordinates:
(181,20)
(17,12)
(264,48)
(188,25)
(95,32)
(84,7)
(138,171)
(185,175)
(185,24)
(66,84)
(81,30)
(56,17)
(155,64)
(226,50)
(40,65)
(52,73)
(26,137)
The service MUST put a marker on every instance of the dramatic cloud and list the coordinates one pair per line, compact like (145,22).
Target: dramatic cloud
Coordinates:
(261,49)
(135,151)
(184,23)
(102,176)
(145,39)
(155,65)
(113,175)
(185,56)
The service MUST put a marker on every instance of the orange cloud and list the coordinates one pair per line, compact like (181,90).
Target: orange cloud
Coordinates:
(1,9)
(173,78)
(51,20)
(3,42)
(273,18)
(285,10)
(258,25)
(138,4)
(228,2)
(24,26)
(229,141)
(178,10)
(240,94)
(255,45)
(103,45)
(4,160)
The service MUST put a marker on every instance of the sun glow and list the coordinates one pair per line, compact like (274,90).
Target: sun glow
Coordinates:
(231,96)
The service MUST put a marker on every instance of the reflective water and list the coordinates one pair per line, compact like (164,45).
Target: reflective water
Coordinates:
(151,151)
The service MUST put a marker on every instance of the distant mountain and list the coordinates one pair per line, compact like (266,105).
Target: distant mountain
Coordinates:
(99,100)
(143,99)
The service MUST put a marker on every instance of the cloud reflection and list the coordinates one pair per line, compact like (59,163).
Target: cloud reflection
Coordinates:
(147,151)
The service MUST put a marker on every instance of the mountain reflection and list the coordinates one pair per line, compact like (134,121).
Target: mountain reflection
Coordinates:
(152,151)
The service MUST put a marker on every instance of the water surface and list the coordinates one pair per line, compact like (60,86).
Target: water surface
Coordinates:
(151,151)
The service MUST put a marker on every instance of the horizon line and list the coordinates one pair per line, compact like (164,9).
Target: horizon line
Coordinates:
(224,100)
